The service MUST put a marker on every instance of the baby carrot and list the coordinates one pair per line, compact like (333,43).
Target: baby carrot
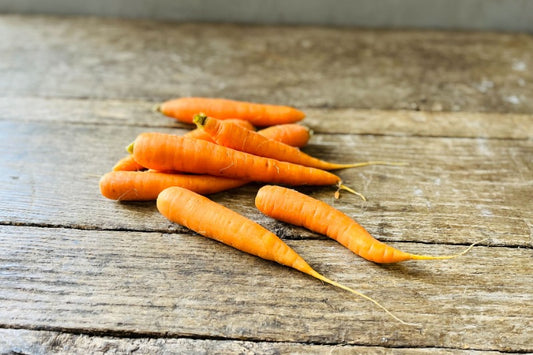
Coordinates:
(166,152)
(146,185)
(296,208)
(127,164)
(184,109)
(215,221)
(292,134)
(201,134)
(238,138)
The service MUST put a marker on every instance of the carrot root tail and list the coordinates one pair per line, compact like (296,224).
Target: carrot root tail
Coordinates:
(375,162)
(445,257)
(362,295)
(156,108)
(341,186)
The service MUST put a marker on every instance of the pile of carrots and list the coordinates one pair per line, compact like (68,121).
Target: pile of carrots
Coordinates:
(226,151)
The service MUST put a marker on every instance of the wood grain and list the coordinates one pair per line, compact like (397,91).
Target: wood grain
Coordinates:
(179,285)
(331,121)
(46,342)
(302,66)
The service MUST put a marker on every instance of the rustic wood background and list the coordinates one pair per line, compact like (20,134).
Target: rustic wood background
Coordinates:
(79,273)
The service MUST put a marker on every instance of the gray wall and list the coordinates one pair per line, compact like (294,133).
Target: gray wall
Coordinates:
(507,15)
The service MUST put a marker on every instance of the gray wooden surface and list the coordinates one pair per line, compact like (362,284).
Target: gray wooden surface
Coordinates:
(503,15)
(80,273)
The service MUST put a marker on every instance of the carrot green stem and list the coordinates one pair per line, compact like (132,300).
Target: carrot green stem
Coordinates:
(156,108)
(129,148)
(200,119)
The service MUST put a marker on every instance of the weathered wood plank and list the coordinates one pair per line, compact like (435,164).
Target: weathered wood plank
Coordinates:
(179,285)
(453,191)
(45,342)
(334,121)
(302,66)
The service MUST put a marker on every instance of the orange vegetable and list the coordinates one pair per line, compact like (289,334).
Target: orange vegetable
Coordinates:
(201,134)
(292,134)
(146,185)
(232,136)
(296,208)
(215,221)
(166,152)
(128,164)
(184,109)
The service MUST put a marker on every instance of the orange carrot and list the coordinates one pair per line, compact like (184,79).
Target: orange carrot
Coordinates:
(201,134)
(146,185)
(166,152)
(296,208)
(184,109)
(128,164)
(215,221)
(292,134)
(232,136)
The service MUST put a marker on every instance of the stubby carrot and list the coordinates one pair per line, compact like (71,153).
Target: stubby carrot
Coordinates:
(215,221)
(184,109)
(232,136)
(202,134)
(293,207)
(292,134)
(146,185)
(166,152)
(128,164)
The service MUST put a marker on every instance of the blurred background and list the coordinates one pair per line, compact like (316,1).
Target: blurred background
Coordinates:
(488,15)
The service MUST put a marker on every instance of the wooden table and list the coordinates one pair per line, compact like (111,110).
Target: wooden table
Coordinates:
(83,274)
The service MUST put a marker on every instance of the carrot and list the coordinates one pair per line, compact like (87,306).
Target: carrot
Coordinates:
(201,134)
(167,152)
(215,221)
(128,164)
(146,185)
(184,109)
(232,136)
(296,208)
(292,134)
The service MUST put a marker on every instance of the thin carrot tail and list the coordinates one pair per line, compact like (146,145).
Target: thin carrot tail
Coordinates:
(444,257)
(367,163)
(341,186)
(359,294)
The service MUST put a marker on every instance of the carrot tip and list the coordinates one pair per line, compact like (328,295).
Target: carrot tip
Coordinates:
(444,257)
(377,162)
(340,186)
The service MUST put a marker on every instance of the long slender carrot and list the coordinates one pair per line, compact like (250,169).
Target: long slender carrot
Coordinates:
(215,221)
(202,134)
(292,134)
(302,210)
(184,109)
(166,152)
(232,136)
(128,164)
(146,185)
